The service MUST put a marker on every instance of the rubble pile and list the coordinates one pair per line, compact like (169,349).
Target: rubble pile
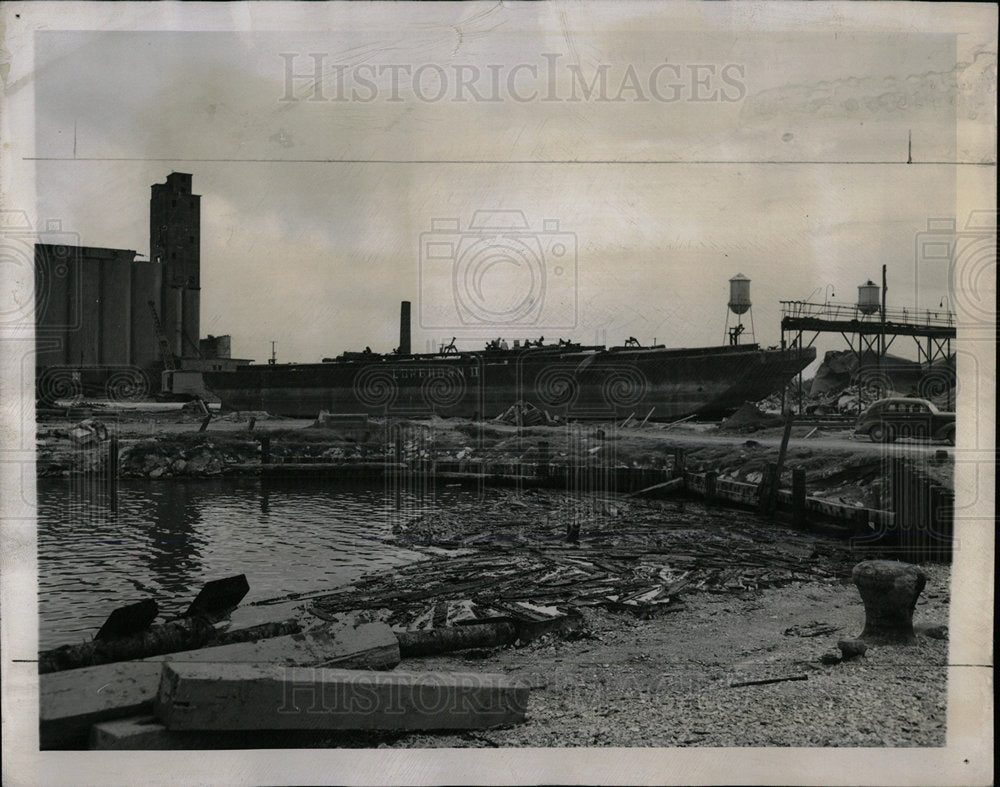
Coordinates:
(633,558)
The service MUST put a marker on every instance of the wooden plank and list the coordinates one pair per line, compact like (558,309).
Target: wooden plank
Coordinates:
(199,696)
(73,700)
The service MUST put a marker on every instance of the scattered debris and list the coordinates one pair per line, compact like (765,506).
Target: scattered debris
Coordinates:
(831,657)
(628,562)
(88,432)
(813,629)
(765,681)
(525,414)
(749,418)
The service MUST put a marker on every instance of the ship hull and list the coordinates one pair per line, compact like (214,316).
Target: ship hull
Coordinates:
(606,384)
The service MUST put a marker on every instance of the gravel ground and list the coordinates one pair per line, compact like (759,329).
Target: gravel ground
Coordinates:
(666,681)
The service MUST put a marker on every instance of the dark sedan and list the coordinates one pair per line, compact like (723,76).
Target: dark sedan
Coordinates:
(889,419)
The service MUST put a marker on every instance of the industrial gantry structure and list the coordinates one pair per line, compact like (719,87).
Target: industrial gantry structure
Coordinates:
(870,329)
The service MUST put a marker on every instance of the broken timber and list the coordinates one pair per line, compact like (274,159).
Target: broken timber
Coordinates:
(70,702)
(200,697)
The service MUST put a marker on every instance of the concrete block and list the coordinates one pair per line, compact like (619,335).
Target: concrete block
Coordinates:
(71,702)
(219,697)
(141,732)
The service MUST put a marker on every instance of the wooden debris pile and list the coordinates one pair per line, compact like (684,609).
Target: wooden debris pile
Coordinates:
(644,576)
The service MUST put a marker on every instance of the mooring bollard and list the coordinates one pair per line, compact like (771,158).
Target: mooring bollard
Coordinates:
(889,590)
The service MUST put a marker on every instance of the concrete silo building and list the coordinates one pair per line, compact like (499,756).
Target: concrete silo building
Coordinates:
(175,245)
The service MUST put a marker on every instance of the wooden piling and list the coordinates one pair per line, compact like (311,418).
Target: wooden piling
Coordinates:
(111,477)
(544,457)
(711,477)
(678,470)
(799,494)
(265,449)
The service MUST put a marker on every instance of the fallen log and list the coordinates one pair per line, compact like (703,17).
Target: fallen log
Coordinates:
(72,701)
(764,681)
(369,646)
(446,640)
(200,697)
(172,637)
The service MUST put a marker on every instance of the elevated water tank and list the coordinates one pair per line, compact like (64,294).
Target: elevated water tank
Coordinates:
(868,298)
(739,294)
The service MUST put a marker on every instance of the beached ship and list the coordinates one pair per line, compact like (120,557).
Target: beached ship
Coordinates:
(565,379)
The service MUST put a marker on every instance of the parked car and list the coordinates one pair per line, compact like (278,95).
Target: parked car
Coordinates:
(889,419)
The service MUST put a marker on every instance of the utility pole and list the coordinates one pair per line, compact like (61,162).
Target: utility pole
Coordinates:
(881,340)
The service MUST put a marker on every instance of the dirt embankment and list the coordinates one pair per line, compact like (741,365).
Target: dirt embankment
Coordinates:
(169,445)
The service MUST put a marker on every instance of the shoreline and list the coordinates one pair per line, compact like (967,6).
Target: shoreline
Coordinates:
(656,671)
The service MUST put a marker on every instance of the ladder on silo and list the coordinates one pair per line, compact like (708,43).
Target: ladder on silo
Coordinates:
(166,354)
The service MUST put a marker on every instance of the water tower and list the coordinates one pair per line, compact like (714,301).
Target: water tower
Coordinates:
(739,304)
(868,298)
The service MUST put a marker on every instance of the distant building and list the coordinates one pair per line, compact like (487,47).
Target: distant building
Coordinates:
(84,307)
(175,244)
(216,346)
(92,307)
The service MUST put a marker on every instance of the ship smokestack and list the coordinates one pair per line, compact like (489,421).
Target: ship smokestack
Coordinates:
(404,328)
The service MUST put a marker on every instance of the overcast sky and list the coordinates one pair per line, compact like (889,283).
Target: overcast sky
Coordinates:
(779,155)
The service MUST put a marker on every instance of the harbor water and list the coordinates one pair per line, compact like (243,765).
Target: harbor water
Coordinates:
(166,540)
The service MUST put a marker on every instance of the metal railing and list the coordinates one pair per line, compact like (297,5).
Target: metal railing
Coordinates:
(843,312)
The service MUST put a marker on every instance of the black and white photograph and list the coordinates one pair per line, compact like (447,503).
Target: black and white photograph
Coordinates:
(498,392)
